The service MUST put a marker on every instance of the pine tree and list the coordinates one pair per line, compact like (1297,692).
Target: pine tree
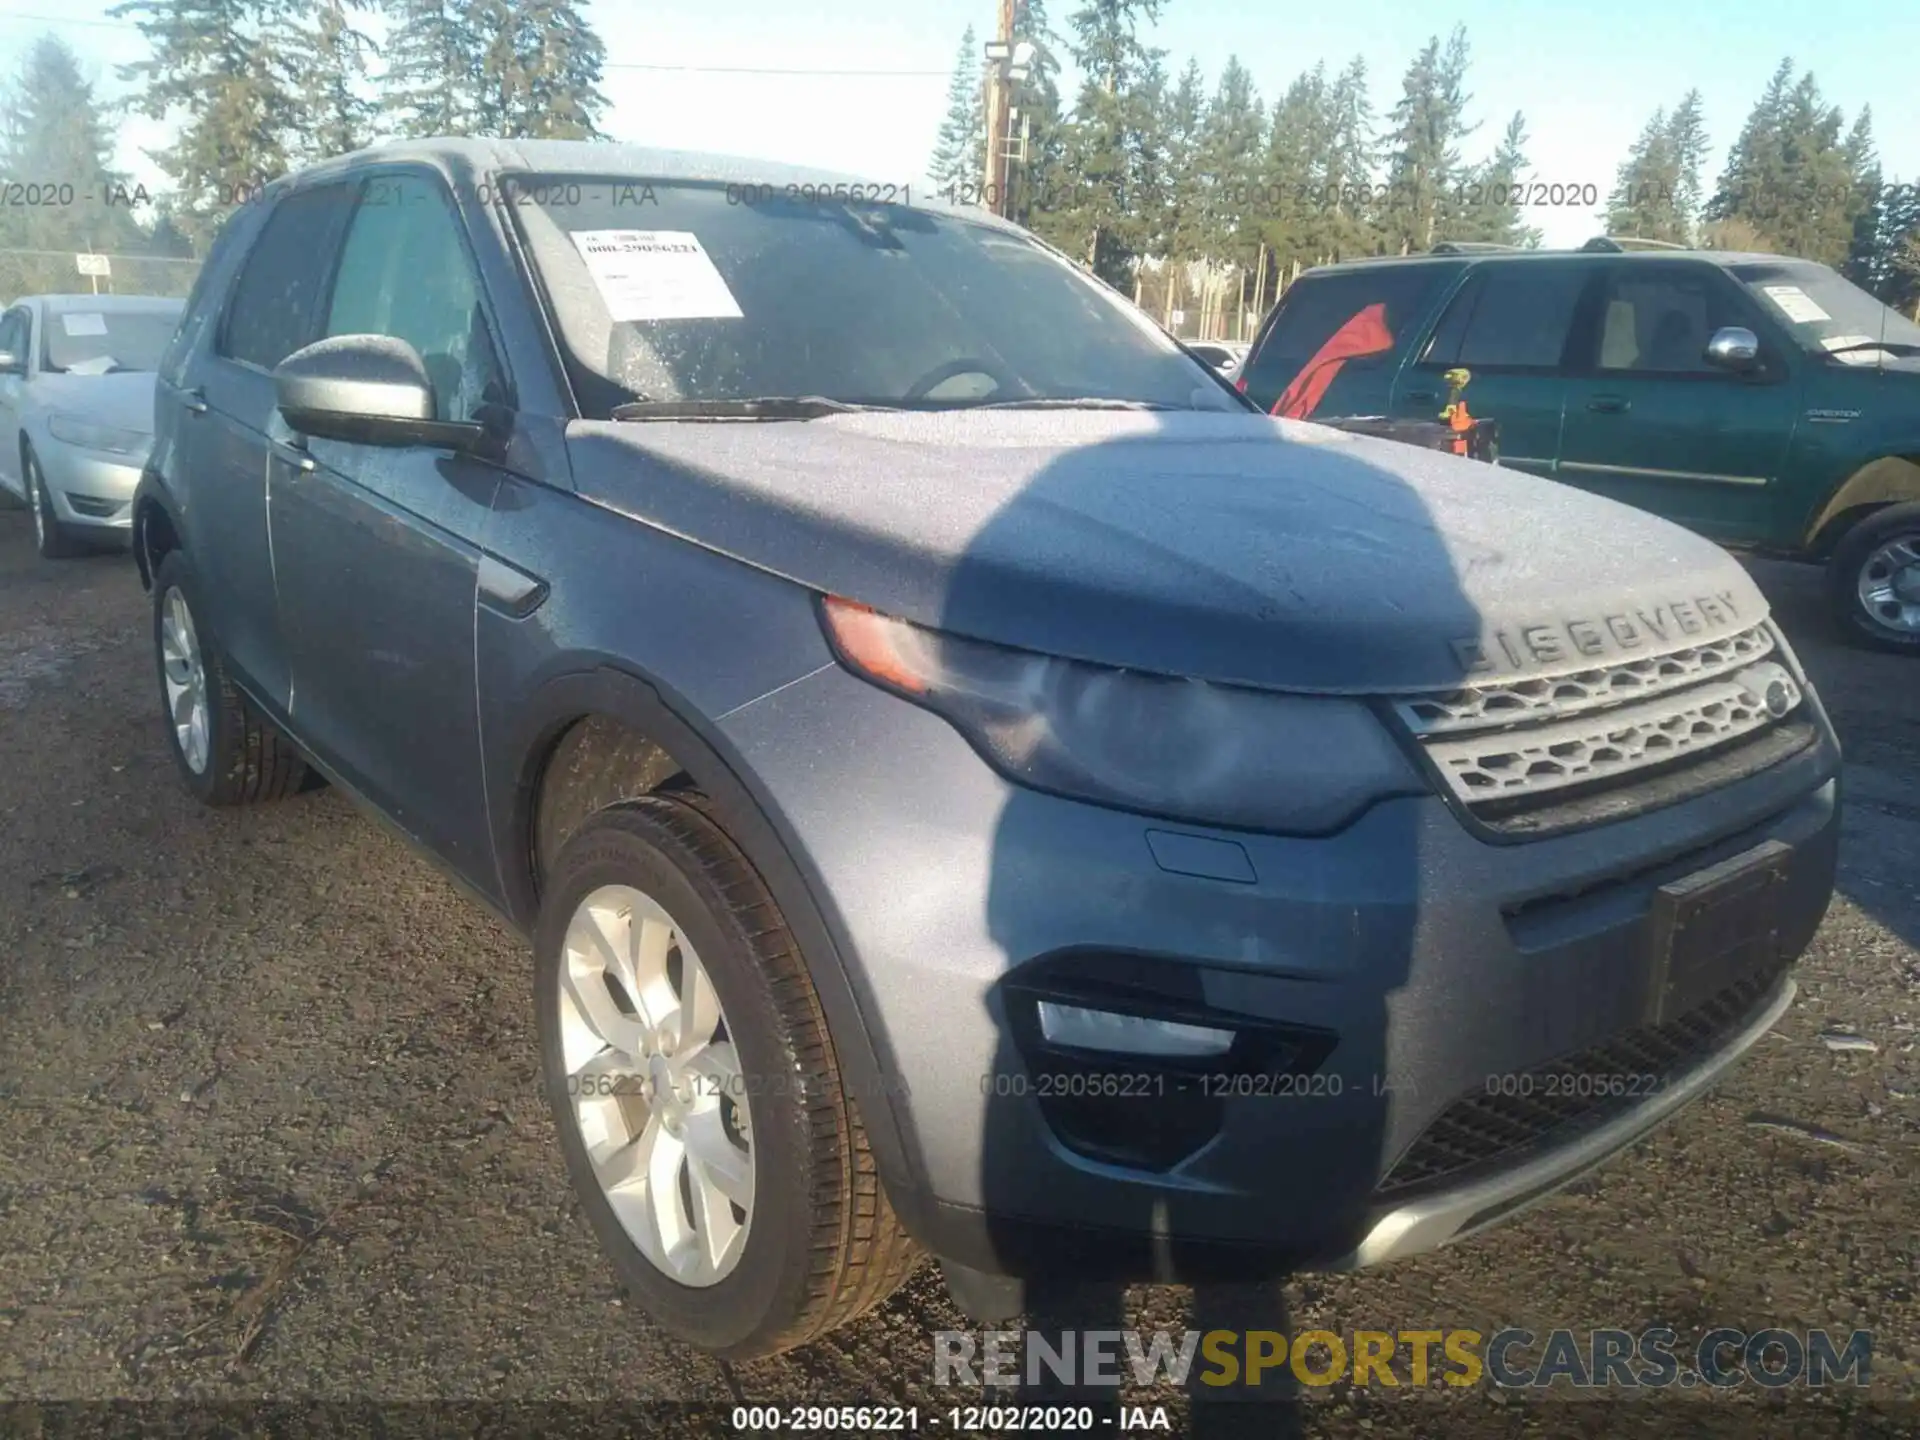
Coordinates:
(1687,133)
(328,79)
(53,133)
(1181,225)
(1351,157)
(212,71)
(1648,194)
(433,65)
(1102,225)
(540,70)
(1489,213)
(959,155)
(1232,201)
(1424,169)
(1755,166)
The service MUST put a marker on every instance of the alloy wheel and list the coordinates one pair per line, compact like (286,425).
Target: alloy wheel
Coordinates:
(655,1085)
(186,681)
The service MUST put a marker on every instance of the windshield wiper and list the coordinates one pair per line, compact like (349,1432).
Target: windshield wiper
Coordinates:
(763,407)
(1892,347)
(1085,402)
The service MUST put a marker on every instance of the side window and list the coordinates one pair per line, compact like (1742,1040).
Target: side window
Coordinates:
(270,311)
(13,334)
(1509,317)
(405,272)
(203,300)
(1658,322)
(1334,322)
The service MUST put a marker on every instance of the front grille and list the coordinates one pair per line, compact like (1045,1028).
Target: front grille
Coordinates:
(1508,746)
(1499,1126)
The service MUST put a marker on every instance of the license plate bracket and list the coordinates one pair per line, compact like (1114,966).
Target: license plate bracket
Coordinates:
(1714,927)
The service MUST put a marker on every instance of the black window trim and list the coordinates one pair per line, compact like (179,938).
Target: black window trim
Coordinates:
(1584,362)
(360,179)
(1475,276)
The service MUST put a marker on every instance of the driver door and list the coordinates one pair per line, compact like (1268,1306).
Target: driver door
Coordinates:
(377,548)
(1651,423)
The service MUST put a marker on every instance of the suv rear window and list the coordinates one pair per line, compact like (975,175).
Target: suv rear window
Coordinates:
(1328,324)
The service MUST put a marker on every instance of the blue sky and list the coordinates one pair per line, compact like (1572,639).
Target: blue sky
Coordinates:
(1586,77)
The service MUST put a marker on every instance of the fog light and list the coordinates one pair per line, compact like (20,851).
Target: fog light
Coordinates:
(1128,1034)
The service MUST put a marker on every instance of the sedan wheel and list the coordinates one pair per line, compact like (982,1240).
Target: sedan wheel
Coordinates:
(50,537)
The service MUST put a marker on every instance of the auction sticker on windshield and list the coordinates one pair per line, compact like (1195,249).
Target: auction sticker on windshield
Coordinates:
(655,275)
(1796,304)
(87,323)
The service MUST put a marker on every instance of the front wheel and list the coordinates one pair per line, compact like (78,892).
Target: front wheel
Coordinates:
(50,536)
(699,1102)
(1873,579)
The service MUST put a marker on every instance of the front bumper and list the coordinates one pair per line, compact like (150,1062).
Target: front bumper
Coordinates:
(91,491)
(1432,961)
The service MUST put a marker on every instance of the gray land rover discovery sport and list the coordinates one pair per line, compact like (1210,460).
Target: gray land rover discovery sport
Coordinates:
(973,784)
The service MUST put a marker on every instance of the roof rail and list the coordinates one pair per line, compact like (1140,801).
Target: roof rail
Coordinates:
(1619,244)
(1470,247)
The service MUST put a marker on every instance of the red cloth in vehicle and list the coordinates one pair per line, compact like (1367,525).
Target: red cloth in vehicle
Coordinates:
(1365,334)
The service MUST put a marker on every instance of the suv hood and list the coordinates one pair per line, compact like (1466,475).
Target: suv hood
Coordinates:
(124,399)
(1227,547)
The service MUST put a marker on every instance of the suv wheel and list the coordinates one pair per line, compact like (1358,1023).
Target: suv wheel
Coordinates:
(1874,579)
(701,1113)
(50,537)
(226,751)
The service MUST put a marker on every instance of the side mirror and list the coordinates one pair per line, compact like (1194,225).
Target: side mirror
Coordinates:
(366,390)
(12,364)
(1734,348)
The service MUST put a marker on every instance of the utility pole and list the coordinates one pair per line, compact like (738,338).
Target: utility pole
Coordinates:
(999,102)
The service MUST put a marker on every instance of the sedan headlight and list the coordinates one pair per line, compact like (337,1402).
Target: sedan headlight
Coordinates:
(89,435)
(1179,748)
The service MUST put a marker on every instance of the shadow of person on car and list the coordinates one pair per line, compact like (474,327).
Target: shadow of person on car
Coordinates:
(1250,868)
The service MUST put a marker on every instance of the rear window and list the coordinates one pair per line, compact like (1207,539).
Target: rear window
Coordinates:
(272,310)
(1332,325)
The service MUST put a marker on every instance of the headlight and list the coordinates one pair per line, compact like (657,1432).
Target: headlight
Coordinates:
(1187,749)
(89,436)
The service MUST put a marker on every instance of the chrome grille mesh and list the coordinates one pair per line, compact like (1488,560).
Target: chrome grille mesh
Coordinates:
(1512,742)
(1520,702)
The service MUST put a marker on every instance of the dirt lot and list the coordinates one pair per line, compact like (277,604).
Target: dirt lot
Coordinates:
(269,1125)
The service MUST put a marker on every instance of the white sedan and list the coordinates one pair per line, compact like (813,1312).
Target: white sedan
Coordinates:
(76,411)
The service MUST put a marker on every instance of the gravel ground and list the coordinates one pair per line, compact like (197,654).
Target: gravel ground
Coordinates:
(271,1129)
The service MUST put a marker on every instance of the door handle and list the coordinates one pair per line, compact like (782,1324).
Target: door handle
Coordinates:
(195,400)
(1422,397)
(1610,404)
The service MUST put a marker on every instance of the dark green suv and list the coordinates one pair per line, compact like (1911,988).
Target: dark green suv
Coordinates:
(1762,401)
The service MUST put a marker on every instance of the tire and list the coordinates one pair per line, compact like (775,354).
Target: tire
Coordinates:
(239,757)
(1861,562)
(819,1244)
(50,537)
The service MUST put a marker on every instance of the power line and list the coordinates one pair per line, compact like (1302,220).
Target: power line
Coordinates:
(837,73)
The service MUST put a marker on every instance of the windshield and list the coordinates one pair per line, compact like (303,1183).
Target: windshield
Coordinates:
(104,341)
(716,292)
(1826,313)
